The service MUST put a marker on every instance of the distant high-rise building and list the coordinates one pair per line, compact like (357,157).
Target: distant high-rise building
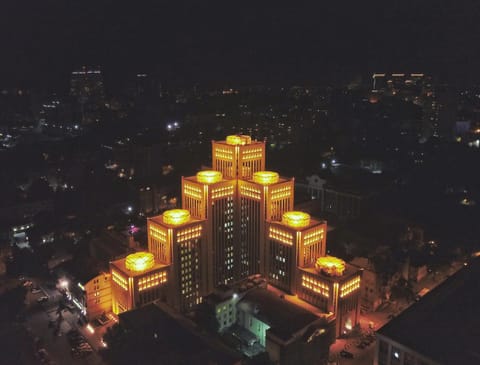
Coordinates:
(87,89)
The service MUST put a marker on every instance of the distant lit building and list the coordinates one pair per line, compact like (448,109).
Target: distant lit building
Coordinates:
(87,89)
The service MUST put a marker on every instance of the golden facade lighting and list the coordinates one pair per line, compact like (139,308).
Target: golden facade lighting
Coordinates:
(331,266)
(176,217)
(265,177)
(139,261)
(296,219)
(209,176)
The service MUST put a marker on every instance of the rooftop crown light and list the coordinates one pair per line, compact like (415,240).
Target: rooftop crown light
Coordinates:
(296,219)
(176,216)
(209,176)
(331,266)
(238,140)
(265,177)
(139,261)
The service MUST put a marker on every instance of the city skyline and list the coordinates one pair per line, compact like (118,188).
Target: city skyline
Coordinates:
(194,42)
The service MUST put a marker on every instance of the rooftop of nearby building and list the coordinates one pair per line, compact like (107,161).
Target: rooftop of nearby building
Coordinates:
(284,318)
(120,264)
(349,271)
(163,336)
(443,325)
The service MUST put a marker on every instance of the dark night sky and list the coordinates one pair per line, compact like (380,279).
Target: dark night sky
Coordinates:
(43,40)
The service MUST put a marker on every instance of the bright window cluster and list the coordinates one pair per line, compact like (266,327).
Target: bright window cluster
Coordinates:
(250,192)
(119,280)
(313,237)
(350,286)
(192,191)
(281,193)
(315,286)
(152,281)
(158,234)
(189,233)
(281,236)
(222,192)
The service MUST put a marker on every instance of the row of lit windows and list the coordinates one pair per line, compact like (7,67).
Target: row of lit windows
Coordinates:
(251,156)
(250,191)
(224,155)
(282,192)
(152,281)
(222,192)
(315,285)
(158,234)
(120,280)
(192,191)
(313,237)
(281,236)
(350,286)
(250,150)
(189,234)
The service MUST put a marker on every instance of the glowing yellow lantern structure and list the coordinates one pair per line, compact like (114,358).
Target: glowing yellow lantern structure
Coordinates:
(176,217)
(139,261)
(296,219)
(238,140)
(266,177)
(209,176)
(331,266)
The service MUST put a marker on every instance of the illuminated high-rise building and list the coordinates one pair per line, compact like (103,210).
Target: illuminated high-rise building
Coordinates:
(262,199)
(238,157)
(177,239)
(296,241)
(211,197)
(236,221)
(136,280)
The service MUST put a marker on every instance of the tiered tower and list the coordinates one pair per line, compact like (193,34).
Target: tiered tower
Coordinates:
(238,220)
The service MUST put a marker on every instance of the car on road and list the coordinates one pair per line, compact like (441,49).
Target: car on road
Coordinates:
(346,354)
(42,299)
(27,283)
(35,290)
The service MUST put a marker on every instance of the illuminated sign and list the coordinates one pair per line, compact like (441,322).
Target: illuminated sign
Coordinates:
(209,176)
(265,177)
(176,216)
(296,219)
(139,261)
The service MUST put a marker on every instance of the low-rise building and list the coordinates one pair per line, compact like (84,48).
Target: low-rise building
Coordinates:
(441,328)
